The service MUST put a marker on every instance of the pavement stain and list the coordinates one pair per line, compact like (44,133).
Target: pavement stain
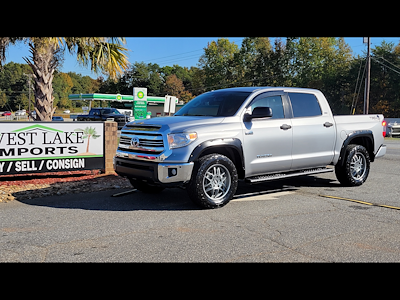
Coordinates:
(365,246)
(198,230)
(22,229)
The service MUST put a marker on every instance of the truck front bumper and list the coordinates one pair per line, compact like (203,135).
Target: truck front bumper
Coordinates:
(155,172)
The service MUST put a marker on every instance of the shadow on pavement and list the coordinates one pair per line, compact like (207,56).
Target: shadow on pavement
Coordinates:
(169,200)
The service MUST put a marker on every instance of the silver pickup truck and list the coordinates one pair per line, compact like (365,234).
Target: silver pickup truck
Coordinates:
(254,134)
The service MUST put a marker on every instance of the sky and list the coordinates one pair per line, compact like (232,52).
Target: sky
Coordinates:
(183,51)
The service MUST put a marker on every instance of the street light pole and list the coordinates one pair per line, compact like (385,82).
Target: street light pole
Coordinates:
(367,79)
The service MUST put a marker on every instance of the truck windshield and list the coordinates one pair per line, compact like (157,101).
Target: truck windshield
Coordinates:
(109,111)
(215,104)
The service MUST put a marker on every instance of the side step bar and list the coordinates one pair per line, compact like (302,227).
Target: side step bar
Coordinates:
(268,177)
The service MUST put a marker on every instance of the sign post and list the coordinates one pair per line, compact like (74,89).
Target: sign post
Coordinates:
(139,103)
(170,104)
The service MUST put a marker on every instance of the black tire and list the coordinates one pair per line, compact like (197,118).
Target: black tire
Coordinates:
(145,187)
(214,181)
(356,166)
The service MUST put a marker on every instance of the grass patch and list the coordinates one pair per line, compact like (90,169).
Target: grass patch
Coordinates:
(392,138)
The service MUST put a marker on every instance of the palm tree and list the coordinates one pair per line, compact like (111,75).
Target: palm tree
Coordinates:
(102,54)
(88,133)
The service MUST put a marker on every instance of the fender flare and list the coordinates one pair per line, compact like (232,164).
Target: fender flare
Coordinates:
(357,134)
(224,143)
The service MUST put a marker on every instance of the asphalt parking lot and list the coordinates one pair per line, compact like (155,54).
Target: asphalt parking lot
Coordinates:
(280,221)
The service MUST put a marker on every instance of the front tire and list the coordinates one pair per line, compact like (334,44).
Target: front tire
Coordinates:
(355,169)
(214,181)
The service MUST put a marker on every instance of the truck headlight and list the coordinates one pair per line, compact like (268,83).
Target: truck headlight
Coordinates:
(178,140)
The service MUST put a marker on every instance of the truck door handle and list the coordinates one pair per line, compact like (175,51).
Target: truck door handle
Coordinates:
(285,127)
(328,124)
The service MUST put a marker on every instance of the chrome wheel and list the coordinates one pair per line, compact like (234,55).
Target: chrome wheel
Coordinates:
(355,168)
(216,182)
(358,166)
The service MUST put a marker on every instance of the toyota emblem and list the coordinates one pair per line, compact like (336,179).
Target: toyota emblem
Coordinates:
(135,142)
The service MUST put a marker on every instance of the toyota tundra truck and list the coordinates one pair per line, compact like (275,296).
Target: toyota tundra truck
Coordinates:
(254,134)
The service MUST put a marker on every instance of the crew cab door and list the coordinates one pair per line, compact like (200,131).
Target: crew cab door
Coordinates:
(267,142)
(314,131)
(95,115)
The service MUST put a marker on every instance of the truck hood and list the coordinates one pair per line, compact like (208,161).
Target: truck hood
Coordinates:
(178,123)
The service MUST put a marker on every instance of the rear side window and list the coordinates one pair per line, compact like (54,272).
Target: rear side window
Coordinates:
(304,105)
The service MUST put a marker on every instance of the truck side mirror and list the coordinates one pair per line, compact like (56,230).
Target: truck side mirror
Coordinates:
(259,112)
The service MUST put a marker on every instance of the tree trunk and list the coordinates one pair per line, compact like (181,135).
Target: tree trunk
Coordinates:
(88,141)
(43,65)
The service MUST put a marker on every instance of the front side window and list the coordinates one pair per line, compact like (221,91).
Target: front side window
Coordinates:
(274,102)
(304,105)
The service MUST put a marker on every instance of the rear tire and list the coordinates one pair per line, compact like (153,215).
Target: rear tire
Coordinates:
(356,166)
(214,181)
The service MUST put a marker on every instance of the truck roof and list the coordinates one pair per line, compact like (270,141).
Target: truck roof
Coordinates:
(257,88)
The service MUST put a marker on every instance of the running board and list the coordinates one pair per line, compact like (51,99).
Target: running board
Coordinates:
(268,177)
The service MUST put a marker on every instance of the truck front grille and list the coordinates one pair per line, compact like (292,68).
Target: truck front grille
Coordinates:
(141,142)
(396,130)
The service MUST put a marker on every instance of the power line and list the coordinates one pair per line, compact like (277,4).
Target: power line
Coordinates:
(232,83)
(385,65)
(163,61)
(388,62)
(173,55)
(178,59)
(355,89)
(353,107)
(359,88)
(368,77)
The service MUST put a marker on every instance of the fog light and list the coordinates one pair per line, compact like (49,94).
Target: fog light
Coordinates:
(172,172)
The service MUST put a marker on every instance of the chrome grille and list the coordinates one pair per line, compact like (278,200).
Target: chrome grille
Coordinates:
(141,142)
(396,129)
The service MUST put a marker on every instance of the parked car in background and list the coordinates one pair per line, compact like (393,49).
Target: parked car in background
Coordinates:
(57,118)
(394,129)
(21,112)
(6,113)
(104,113)
(67,111)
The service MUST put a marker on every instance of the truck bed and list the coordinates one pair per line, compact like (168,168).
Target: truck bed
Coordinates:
(346,124)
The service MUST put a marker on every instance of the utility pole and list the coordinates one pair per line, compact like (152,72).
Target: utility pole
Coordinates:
(29,88)
(367,79)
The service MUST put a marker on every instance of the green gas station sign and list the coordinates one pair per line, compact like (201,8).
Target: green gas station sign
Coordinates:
(139,103)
